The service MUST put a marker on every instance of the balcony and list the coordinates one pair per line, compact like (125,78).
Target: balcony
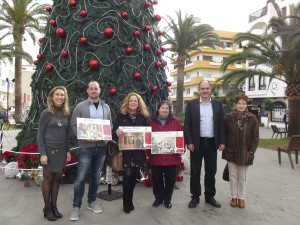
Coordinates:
(258,14)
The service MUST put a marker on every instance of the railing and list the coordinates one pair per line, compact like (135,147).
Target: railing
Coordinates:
(258,14)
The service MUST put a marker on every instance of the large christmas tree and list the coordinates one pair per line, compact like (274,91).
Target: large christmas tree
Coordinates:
(114,42)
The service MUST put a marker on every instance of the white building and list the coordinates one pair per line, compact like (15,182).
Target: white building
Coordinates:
(7,86)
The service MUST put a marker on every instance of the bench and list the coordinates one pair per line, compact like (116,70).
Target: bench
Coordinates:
(12,122)
(278,131)
(293,146)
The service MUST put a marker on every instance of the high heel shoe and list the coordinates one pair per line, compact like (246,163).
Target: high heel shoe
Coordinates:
(56,212)
(49,214)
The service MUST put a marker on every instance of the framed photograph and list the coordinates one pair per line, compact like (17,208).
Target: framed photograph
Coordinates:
(96,129)
(135,138)
(171,142)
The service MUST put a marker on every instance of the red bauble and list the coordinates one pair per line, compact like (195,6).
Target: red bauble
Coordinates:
(146,46)
(148,4)
(128,50)
(40,40)
(158,64)
(154,88)
(34,62)
(108,32)
(163,49)
(147,28)
(124,15)
(94,64)
(83,40)
(49,67)
(169,83)
(113,91)
(39,56)
(157,18)
(30,84)
(48,8)
(72,2)
(60,32)
(158,52)
(136,75)
(160,33)
(83,13)
(136,33)
(155,2)
(64,53)
(52,22)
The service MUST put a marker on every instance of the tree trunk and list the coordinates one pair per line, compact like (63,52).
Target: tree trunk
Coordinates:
(180,84)
(18,82)
(294,118)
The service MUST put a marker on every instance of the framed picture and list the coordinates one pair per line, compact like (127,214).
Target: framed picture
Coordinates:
(96,129)
(135,138)
(170,142)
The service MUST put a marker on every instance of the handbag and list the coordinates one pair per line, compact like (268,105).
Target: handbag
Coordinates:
(226,173)
(114,156)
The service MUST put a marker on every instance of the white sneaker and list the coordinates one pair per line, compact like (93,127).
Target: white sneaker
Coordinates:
(75,214)
(94,207)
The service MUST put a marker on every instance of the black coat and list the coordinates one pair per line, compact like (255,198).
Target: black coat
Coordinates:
(130,157)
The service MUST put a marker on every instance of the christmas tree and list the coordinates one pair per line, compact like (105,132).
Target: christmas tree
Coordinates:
(116,43)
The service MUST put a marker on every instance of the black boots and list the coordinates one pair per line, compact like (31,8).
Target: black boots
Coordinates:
(56,212)
(48,213)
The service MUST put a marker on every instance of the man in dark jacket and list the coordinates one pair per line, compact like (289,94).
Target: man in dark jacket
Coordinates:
(204,133)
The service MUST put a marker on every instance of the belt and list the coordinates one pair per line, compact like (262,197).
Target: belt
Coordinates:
(207,138)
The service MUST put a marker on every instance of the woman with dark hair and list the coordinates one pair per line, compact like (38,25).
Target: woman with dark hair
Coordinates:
(163,166)
(133,113)
(242,135)
(53,141)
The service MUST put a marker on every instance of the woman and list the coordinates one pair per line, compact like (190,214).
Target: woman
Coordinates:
(53,141)
(164,166)
(133,113)
(242,135)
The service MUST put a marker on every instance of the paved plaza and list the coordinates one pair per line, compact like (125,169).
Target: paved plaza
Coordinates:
(273,198)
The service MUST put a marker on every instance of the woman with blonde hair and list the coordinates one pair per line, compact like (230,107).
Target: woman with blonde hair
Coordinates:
(133,112)
(53,141)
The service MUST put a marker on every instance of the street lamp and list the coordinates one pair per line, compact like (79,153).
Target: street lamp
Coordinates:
(7,95)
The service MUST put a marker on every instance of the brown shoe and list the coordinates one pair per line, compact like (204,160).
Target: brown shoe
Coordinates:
(241,203)
(233,202)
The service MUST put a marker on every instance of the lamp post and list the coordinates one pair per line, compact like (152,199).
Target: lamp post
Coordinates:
(7,95)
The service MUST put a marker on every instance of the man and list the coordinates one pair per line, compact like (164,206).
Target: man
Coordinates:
(205,133)
(91,152)
(286,120)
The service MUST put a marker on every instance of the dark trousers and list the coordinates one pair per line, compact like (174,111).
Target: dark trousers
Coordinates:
(208,151)
(129,180)
(163,178)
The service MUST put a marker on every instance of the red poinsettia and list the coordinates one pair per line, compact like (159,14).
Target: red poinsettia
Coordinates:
(7,156)
(29,161)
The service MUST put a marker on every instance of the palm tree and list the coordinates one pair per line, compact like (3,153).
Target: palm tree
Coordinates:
(277,51)
(8,52)
(15,19)
(185,36)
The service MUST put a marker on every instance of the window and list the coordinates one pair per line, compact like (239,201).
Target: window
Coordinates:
(198,73)
(188,62)
(283,11)
(224,59)
(278,112)
(262,83)
(175,67)
(188,90)
(207,75)
(187,76)
(251,84)
(207,58)
(198,58)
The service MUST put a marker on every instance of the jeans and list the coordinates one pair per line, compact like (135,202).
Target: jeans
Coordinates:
(93,159)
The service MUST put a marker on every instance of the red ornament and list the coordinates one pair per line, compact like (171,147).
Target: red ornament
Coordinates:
(83,13)
(160,33)
(30,84)
(148,4)
(49,67)
(124,15)
(169,83)
(39,56)
(128,50)
(83,40)
(165,62)
(158,52)
(34,62)
(158,64)
(113,91)
(136,75)
(108,32)
(147,28)
(52,22)
(94,64)
(48,8)
(163,49)
(136,33)
(146,46)
(155,2)
(157,18)
(60,32)
(72,2)
(154,88)
(40,40)
(64,53)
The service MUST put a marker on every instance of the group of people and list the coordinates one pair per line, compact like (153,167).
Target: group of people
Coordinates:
(205,131)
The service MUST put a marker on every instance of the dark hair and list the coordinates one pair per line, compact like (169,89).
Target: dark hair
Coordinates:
(162,103)
(241,96)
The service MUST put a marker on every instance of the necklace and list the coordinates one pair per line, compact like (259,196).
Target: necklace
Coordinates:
(59,121)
